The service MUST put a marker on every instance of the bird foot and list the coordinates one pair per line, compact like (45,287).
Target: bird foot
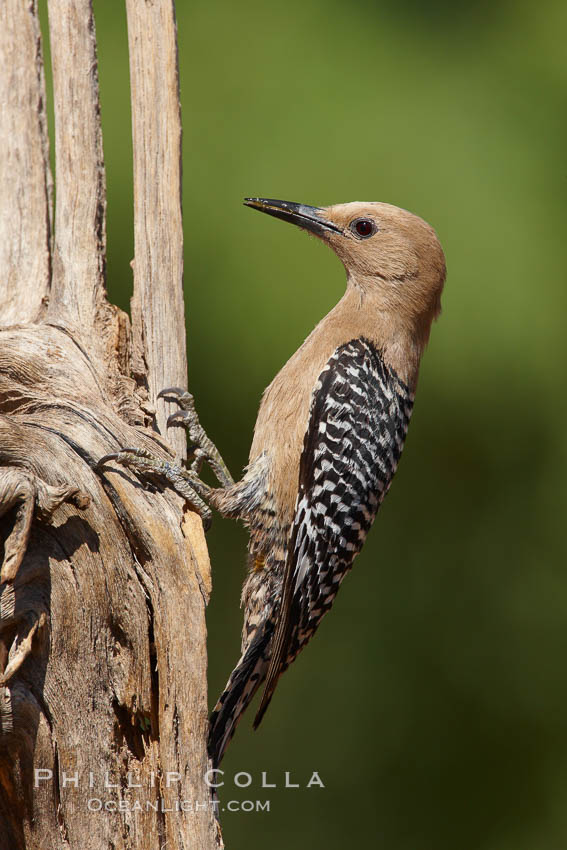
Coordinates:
(150,468)
(205,449)
(31,495)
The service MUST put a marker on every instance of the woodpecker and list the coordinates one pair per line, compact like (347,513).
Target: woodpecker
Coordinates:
(327,441)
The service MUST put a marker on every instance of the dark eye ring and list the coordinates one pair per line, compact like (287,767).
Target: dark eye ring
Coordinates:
(364,228)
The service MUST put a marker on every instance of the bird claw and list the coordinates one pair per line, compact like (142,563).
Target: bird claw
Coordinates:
(150,468)
(185,482)
(205,449)
(196,464)
(178,417)
(181,396)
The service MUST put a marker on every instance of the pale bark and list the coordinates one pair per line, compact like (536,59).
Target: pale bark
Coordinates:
(104,582)
(157,305)
(25,180)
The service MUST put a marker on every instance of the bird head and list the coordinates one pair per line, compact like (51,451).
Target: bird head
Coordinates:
(390,255)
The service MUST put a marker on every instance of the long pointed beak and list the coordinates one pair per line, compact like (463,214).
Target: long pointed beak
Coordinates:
(309,218)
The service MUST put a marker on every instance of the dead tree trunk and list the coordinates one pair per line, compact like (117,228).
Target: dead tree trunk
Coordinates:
(104,583)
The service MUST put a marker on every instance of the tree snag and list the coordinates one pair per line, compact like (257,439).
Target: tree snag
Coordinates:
(104,583)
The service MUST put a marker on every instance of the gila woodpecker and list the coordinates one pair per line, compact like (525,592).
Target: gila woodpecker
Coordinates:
(328,437)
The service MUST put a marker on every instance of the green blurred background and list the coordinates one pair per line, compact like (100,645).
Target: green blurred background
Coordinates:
(432,701)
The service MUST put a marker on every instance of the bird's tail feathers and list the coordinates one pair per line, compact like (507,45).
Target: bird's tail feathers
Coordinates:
(243,683)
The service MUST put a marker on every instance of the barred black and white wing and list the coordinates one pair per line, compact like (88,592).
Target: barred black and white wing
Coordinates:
(358,421)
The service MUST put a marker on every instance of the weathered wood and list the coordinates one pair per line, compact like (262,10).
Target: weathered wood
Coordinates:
(25,178)
(157,306)
(77,291)
(104,582)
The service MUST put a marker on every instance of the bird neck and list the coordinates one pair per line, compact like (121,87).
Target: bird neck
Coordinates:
(399,339)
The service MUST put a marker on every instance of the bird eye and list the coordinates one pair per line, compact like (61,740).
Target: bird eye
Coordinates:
(363,227)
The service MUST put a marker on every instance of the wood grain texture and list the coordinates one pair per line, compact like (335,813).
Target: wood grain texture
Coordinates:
(77,293)
(157,305)
(104,582)
(25,177)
